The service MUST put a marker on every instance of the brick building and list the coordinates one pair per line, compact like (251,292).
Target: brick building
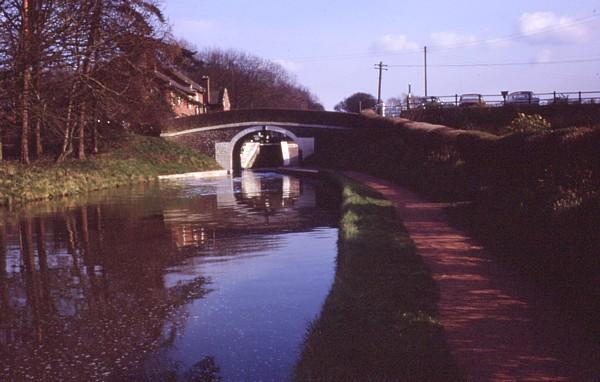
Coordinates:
(187,97)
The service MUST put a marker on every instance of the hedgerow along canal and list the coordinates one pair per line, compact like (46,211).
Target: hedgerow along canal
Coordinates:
(213,279)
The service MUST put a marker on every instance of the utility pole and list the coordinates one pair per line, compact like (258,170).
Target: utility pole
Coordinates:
(425,58)
(381,67)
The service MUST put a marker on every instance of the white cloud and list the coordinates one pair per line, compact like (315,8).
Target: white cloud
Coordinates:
(394,43)
(289,65)
(549,28)
(451,39)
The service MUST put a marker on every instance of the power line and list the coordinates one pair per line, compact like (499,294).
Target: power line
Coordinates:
(486,64)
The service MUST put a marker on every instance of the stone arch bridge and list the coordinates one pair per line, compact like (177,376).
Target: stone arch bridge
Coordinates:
(222,134)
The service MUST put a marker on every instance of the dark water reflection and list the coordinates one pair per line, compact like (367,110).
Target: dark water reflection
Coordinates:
(202,280)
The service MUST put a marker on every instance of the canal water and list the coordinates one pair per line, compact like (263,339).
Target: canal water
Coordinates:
(188,280)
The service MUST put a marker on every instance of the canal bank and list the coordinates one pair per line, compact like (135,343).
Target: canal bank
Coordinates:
(498,326)
(134,159)
(379,321)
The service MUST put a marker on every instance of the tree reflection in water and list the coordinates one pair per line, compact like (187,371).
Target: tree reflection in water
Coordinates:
(165,369)
(99,287)
(79,301)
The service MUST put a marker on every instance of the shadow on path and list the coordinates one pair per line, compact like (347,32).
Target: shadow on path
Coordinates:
(496,326)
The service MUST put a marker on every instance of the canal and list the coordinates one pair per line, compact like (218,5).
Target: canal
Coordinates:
(203,280)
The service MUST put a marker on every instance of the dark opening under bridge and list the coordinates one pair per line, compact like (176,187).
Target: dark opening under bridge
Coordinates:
(223,134)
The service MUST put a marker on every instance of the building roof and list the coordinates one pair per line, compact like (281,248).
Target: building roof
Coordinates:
(179,81)
(185,79)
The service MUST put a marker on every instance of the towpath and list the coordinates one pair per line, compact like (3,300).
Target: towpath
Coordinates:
(496,326)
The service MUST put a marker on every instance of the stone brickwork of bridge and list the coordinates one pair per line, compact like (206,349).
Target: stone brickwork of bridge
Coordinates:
(221,134)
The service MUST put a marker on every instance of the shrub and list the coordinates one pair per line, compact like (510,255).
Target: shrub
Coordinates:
(529,123)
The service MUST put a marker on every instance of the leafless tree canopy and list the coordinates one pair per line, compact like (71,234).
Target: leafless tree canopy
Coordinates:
(68,67)
(252,82)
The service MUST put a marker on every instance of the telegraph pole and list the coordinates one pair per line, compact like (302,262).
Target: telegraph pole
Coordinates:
(425,58)
(381,67)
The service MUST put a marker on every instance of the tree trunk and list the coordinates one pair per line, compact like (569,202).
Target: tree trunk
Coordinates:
(94,138)
(90,51)
(25,115)
(26,94)
(81,132)
(66,149)
(40,119)
(67,146)
(39,150)
(1,154)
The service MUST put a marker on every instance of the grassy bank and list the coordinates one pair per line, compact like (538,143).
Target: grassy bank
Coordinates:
(378,322)
(532,199)
(135,158)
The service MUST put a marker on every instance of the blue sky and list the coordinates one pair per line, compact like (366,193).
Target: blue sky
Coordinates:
(331,46)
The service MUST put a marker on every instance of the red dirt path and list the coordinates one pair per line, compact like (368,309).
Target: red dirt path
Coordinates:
(496,326)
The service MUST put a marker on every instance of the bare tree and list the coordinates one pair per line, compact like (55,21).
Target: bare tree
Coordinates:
(65,64)
(252,82)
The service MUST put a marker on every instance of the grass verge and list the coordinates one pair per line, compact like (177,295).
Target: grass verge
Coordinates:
(135,159)
(378,322)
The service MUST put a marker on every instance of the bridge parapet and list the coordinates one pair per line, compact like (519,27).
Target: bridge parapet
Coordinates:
(234,118)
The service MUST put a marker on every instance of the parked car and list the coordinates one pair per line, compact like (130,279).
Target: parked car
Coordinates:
(432,102)
(418,102)
(471,100)
(522,97)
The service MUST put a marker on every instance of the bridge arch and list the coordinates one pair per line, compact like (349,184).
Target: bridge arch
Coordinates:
(216,134)
(228,153)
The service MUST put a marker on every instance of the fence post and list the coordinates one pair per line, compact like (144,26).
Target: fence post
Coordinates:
(456,99)
(579,97)
(554,97)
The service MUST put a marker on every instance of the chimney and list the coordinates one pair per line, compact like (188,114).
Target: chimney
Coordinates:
(206,84)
